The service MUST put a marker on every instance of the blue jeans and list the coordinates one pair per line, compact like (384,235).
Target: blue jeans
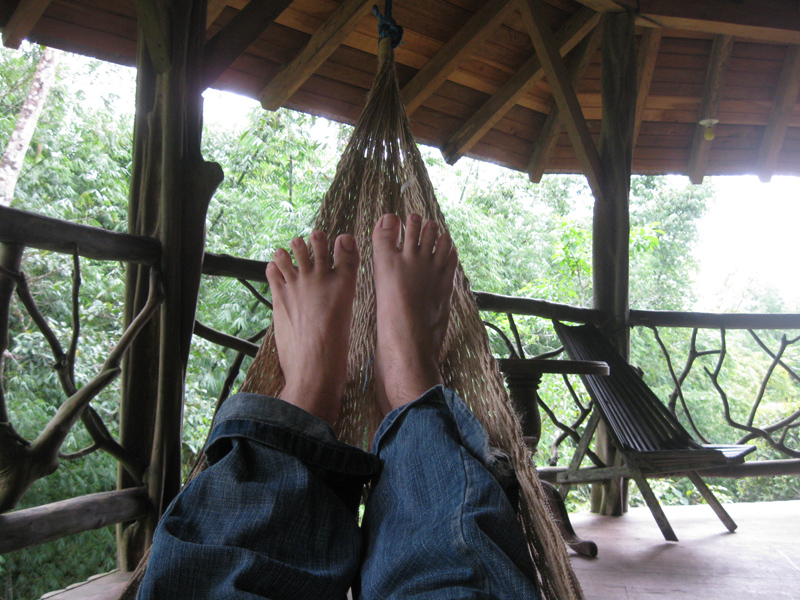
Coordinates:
(275,514)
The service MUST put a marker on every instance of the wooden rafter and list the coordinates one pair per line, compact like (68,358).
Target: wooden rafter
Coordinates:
(785,101)
(215,8)
(547,49)
(775,21)
(645,65)
(551,129)
(233,39)
(447,59)
(709,108)
(573,31)
(22,21)
(321,45)
(154,24)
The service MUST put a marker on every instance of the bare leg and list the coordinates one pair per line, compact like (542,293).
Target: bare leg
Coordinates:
(413,289)
(313,309)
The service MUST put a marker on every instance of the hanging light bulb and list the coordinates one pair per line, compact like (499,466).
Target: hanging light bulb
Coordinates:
(708,128)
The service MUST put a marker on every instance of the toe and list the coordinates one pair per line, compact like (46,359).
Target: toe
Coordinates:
(284,263)
(413,227)
(442,250)
(300,251)
(386,235)
(429,234)
(319,245)
(276,281)
(345,254)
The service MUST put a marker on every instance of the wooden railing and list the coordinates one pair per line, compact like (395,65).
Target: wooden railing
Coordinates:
(37,458)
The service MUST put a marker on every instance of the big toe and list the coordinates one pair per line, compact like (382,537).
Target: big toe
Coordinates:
(386,235)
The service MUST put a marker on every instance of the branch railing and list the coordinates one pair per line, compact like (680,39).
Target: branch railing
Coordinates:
(22,461)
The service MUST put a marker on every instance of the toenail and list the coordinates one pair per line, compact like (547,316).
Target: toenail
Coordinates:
(389,221)
(348,243)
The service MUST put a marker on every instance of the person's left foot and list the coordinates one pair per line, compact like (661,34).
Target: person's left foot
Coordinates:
(312,313)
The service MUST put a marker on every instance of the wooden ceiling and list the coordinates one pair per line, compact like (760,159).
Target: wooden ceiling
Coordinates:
(472,81)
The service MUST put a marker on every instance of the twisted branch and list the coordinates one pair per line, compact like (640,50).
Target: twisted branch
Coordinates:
(21,465)
(678,383)
(256,293)
(64,366)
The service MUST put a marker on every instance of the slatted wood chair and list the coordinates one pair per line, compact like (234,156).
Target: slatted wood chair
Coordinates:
(649,437)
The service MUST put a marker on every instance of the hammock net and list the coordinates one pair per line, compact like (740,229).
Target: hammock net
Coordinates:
(382,171)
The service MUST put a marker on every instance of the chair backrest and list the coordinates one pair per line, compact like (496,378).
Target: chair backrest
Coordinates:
(637,418)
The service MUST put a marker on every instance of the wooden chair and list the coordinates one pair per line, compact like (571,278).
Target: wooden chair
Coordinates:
(649,437)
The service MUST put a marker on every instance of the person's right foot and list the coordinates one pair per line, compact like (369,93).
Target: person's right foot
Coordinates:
(413,290)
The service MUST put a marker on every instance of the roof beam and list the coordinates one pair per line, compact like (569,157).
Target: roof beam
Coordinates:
(785,100)
(709,108)
(446,60)
(470,133)
(645,65)
(546,141)
(22,21)
(321,45)
(237,36)
(776,21)
(547,49)
(215,8)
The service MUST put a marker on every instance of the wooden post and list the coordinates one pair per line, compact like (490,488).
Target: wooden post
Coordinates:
(611,227)
(170,191)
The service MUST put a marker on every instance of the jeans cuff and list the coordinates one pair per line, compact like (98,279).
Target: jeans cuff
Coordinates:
(282,426)
(472,435)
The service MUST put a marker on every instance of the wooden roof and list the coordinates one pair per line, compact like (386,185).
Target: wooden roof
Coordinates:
(473,83)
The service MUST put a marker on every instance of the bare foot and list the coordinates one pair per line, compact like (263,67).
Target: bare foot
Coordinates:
(413,289)
(313,309)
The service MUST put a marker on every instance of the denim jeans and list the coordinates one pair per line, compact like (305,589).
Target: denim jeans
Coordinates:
(275,514)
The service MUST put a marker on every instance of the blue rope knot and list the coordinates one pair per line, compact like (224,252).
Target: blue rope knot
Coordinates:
(387,26)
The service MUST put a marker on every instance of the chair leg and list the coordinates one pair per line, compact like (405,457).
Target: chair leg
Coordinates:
(712,500)
(655,508)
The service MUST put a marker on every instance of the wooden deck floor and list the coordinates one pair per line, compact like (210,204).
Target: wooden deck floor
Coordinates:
(760,560)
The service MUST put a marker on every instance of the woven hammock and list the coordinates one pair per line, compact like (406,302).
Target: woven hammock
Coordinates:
(382,171)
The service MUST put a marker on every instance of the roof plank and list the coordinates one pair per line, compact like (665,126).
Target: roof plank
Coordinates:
(444,62)
(511,92)
(709,108)
(319,48)
(551,130)
(785,101)
(22,21)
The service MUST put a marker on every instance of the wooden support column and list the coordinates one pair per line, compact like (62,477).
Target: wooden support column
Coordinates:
(611,228)
(171,187)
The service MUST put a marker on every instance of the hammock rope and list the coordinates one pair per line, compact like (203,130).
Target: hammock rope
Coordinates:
(381,171)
